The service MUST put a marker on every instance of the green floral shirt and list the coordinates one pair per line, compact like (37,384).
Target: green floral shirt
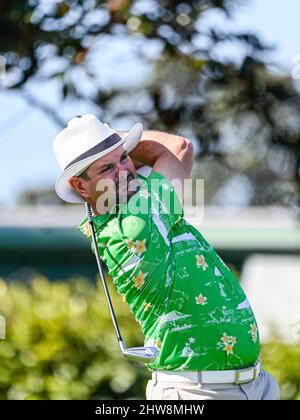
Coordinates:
(188,303)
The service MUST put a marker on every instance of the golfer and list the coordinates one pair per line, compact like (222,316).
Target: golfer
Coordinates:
(188,303)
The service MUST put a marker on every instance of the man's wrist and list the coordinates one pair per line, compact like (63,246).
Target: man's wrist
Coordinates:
(152,145)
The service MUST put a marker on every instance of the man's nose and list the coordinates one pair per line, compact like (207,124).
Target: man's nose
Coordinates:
(121,167)
(121,170)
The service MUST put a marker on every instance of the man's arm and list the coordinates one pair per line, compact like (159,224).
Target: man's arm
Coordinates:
(168,154)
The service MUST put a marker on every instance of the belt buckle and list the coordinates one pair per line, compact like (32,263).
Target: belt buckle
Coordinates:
(243,381)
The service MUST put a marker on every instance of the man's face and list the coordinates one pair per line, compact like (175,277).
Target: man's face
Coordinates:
(106,168)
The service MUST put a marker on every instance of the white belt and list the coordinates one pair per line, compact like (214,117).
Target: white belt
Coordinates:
(210,377)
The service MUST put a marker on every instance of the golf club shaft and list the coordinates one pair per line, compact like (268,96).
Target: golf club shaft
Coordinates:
(111,310)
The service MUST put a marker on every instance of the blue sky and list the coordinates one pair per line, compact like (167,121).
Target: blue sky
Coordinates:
(26,137)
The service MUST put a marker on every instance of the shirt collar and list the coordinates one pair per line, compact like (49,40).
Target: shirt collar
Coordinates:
(99,220)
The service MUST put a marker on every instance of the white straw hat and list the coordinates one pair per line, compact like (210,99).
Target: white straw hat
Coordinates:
(84,140)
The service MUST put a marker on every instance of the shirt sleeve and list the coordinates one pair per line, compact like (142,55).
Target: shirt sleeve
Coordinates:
(155,203)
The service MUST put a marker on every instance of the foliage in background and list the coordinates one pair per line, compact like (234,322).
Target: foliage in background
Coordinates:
(61,345)
(189,88)
(283,362)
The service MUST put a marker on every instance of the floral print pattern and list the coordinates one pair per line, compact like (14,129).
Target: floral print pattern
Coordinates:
(144,193)
(147,306)
(201,262)
(86,230)
(138,247)
(131,244)
(158,343)
(201,300)
(227,343)
(139,280)
(253,332)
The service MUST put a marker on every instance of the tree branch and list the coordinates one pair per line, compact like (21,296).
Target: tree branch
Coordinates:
(42,106)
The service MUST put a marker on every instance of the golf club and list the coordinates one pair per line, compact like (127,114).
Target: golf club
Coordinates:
(139,354)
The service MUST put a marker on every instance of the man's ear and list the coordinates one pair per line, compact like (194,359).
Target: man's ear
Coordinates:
(78,185)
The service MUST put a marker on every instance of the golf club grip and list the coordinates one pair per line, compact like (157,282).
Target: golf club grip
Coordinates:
(112,313)
(89,213)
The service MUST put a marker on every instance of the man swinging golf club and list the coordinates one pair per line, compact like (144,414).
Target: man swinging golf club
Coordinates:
(201,336)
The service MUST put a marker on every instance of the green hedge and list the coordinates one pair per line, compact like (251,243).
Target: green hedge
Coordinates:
(61,345)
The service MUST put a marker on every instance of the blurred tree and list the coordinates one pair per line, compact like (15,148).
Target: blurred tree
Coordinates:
(40,196)
(189,90)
